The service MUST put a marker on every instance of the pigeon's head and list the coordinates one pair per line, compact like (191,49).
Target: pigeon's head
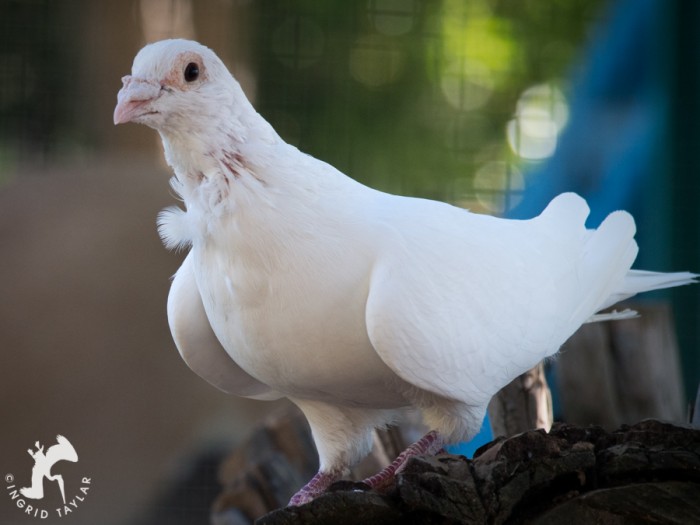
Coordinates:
(176,84)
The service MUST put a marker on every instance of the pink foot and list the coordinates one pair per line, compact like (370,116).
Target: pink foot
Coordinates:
(429,444)
(314,488)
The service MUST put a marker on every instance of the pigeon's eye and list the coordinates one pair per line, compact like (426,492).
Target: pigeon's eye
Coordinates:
(191,72)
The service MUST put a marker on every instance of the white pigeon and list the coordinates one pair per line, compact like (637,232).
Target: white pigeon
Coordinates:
(303,283)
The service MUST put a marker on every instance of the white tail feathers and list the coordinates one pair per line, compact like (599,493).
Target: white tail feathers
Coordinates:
(645,281)
(627,313)
(604,275)
(608,255)
(638,281)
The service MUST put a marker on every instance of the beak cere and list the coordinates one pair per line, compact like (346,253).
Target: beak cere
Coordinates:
(133,99)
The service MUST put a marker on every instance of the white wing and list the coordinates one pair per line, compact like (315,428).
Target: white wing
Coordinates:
(460,304)
(198,345)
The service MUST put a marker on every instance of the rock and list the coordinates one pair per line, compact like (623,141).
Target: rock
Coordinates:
(339,508)
(441,486)
(657,502)
(279,457)
(644,473)
(524,473)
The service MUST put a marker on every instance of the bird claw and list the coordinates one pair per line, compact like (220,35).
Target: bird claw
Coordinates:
(431,443)
(314,488)
(302,497)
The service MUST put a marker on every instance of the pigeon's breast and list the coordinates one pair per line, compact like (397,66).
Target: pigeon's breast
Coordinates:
(298,327)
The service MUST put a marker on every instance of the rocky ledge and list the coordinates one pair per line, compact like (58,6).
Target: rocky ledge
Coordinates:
(645,473)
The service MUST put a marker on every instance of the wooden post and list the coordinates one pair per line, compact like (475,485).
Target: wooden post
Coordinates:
(695,416)
(622,371)
(524,404)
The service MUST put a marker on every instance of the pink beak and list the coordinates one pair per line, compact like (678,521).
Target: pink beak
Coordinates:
(133,99)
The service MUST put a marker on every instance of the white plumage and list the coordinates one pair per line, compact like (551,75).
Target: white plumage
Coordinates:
(353,303)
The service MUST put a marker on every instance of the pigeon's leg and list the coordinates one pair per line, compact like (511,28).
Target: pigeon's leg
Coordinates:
(343,436)
(429,444)
(314,488)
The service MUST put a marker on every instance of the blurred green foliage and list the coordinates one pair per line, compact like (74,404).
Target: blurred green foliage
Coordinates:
(411,96)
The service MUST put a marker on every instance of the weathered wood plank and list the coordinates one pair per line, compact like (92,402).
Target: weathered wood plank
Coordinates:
(624,371)
(524,404)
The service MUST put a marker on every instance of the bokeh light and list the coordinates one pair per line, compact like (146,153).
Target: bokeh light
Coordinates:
(541,113)
(498,186)
(466,84)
